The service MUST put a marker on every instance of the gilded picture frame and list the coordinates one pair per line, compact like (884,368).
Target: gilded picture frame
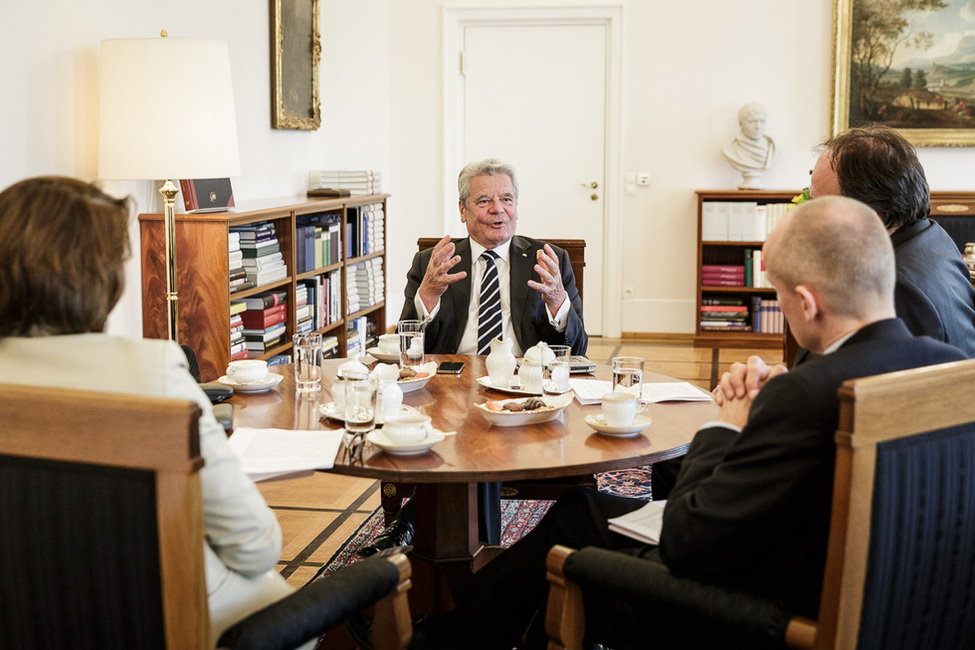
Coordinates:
(903,64)
(296,49)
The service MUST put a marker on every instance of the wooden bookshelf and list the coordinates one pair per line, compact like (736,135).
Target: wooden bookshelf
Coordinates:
(732,252)
(203,268)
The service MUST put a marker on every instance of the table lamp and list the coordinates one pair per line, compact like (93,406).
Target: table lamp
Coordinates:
(166,113)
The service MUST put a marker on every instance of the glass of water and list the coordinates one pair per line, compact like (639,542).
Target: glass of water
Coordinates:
(410,343)
(360,404)
(558,369)
(628,375)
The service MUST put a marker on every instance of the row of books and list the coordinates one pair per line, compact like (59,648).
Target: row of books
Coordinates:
(323,296)
(264,318)
(261,252)
(750,273)
(740,220)
(365,226)
(238,346)
(358,182)
(756,314)
(317,241)
(361,334)
(366,286)
(238,275)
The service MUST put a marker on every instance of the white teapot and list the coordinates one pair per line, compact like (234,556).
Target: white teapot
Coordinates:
(501,362)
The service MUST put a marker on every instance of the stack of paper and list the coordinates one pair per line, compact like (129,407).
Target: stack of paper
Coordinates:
(642,525)
(591,391)
(271,453)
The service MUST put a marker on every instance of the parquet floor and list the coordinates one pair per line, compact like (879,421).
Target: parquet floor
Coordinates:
(318,513)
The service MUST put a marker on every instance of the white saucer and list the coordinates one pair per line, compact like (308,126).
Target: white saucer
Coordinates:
(269,382)
(597,422)
(382,356)
(412,449)
(329,411)
(514,389)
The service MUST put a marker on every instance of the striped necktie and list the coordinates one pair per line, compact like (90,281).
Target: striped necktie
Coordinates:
(489,309)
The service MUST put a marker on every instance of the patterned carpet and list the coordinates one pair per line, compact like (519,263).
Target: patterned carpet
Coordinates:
(517,516)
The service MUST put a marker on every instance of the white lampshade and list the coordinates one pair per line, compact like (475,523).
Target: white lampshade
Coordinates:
(166,110)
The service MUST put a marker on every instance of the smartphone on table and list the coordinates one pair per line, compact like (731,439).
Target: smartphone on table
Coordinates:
(450,367)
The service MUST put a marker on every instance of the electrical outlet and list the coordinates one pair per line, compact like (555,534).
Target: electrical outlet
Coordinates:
(643,179)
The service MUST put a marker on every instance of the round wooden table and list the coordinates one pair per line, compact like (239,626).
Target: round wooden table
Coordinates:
(446,548)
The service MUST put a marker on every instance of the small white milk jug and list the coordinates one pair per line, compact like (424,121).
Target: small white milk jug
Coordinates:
(501,362)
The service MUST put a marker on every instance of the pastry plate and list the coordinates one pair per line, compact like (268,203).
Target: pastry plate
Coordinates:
(410,385)
(329,411)
(411,449)
(555,404)
(597,422)
(382,356)
(269,382)
(513,389)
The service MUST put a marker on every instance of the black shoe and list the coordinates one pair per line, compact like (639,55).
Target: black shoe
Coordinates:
(398,535)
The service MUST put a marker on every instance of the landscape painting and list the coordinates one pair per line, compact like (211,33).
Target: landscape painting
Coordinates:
(909,64)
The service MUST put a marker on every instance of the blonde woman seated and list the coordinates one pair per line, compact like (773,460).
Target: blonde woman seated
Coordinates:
(63,244)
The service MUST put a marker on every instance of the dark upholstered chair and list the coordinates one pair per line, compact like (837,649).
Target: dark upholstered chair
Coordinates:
(900,571)
(101,540)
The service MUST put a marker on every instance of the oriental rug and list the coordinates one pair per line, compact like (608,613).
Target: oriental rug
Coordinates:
(518,516)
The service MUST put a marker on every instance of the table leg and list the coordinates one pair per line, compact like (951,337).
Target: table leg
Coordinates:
(445,546)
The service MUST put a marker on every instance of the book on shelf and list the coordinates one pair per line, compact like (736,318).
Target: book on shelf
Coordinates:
(254,231)
(723,308)
(264,263)
(712,300)
(278,359)
(243,285)
(328,193)
(708,276)
(250,251)
(243,354)
(254,320)
(265,334)
(268,276)
(237,274)
(722,282)
(237,307)
(265,300)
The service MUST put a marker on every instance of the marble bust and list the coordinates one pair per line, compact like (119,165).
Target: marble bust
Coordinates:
(752,152)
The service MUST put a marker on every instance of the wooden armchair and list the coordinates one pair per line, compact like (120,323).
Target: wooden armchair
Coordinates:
(101,542)
(900,571)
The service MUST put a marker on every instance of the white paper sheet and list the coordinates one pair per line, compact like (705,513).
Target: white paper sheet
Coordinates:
(591,391)
(271,453)
(643,525)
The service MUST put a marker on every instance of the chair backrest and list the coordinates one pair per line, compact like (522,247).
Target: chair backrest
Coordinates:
(575,248)
(101,540)
(900,571)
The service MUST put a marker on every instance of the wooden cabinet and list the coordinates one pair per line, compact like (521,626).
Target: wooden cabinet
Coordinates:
(203,267)
(723,253)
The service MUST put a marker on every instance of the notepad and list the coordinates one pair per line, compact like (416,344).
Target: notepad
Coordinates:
(643,525)
(273,453)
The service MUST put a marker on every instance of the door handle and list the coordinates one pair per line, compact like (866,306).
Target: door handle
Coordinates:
(593,185)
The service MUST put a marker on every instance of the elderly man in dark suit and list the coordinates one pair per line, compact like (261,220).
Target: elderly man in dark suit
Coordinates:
(533,294)
(751,506)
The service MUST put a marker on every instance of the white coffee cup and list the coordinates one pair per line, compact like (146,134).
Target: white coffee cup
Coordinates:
(407,428)
(247,371)
(620,408)
(389,343)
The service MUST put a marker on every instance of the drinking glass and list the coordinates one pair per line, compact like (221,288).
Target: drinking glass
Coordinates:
(360,404)
(307,351)
(628,375)
(558,369)
(410,343)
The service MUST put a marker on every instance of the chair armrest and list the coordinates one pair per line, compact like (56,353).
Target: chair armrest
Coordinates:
(315,608)
(681,605)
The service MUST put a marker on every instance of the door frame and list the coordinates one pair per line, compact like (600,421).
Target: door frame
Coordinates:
(455,19)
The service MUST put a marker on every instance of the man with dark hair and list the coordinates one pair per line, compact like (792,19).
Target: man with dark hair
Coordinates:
(877,166)
(751,507)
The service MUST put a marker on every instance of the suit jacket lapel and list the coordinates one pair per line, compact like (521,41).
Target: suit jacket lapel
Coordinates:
(521,260)
(460,292)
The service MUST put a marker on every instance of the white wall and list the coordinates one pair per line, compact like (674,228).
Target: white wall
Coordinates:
(49,97)
(688,68)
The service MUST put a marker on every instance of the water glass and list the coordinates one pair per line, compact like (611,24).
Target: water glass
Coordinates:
(410,343)
(559,368)
(307,351)
(628,375)
(360,404)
